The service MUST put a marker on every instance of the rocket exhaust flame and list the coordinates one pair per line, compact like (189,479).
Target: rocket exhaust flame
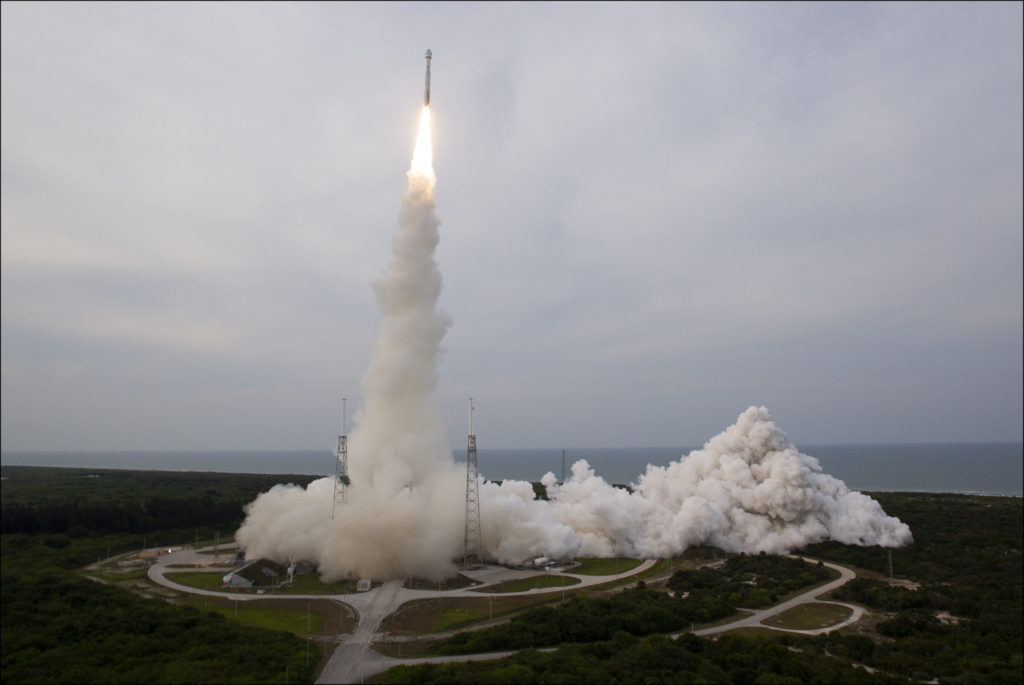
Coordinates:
(423,154)
(748,489)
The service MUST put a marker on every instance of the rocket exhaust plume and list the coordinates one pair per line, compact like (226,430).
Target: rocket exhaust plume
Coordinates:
(405,501)
(749,489)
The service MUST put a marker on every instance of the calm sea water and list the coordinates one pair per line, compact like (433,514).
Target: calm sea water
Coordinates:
(988,468)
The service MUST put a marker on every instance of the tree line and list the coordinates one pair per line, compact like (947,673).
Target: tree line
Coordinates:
(42,500)
(155,513)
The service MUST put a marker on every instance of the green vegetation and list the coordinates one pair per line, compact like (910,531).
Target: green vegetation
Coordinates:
(426,616)
(273,619)
(77,501)
(302,584)
(642,611)
(593,566)
(58,627)
(452,618)
(810,616)
(958,620)
(625,658)
(456,583)
(310,584)
(751,582)
(201,580)
(638,611)
(962,625)
(536,582)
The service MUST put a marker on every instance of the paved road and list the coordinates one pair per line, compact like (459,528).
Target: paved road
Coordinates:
(343,666)
(845,576)
(353,661)
(374,662)
(488,575)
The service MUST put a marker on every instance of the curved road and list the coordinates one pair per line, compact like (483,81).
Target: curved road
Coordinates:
(374,662)
(845,576)
(353,661)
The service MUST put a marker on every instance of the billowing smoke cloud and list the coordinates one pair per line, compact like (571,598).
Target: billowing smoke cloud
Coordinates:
(747,490)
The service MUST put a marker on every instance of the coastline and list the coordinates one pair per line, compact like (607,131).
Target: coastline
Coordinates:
(989,469)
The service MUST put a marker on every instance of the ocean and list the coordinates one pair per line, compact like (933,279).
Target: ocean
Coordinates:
(982,468)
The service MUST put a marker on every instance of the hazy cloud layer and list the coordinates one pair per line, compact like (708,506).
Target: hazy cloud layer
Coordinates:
(653,216)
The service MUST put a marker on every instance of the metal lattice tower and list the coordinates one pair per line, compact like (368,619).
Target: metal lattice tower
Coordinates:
(473,546)
(341,481)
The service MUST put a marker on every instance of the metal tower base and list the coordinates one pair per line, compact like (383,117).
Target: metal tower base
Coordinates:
(473,545)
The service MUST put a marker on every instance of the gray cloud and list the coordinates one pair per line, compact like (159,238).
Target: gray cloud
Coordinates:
(654,216)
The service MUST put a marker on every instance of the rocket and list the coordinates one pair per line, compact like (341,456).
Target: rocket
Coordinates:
(426,93)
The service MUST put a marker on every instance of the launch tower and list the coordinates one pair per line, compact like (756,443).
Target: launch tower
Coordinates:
(341,481)
(472,553)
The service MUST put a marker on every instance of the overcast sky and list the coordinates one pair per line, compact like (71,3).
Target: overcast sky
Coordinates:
(654,216)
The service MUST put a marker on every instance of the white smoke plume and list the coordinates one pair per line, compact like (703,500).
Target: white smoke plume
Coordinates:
(747,490)
(405,511)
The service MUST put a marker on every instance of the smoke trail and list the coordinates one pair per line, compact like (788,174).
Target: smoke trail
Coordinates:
(749,489)
(405,503)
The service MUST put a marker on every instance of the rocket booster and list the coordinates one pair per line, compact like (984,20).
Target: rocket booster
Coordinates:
(426,92)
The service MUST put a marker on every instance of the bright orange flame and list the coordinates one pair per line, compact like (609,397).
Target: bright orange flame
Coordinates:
(423,156)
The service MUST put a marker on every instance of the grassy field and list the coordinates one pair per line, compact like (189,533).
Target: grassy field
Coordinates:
(273,619)
(310,584)
(809,616)
(305,584)
(592,566)
(201,580)
(427,616)
(535,583)
(300,616)
(457,583)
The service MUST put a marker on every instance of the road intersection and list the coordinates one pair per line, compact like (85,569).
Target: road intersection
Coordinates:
(354,660)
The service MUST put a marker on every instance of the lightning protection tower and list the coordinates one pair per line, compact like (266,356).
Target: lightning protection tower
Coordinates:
(471,555)
(341,481)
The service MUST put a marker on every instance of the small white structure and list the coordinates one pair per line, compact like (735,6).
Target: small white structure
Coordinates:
(363,584)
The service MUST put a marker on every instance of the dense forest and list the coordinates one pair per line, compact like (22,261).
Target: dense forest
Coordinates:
(751,582)
(955,618)
(60,627)
(56,500)
(626,658)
